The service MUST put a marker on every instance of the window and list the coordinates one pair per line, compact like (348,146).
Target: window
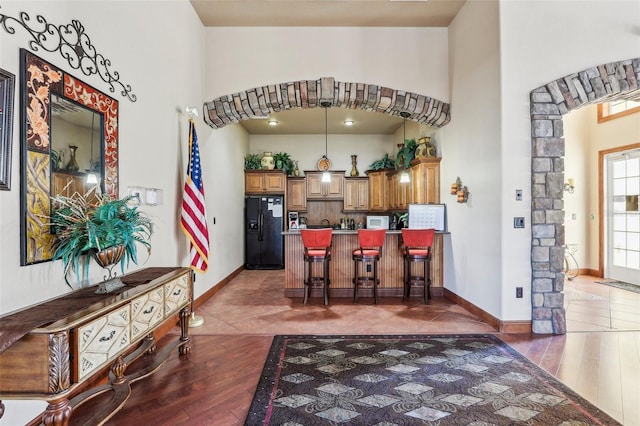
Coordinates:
(610,110)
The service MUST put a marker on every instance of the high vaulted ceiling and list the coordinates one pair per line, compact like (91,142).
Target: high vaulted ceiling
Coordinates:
(326,13)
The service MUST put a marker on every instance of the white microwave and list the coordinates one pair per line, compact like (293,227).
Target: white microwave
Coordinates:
(377,222)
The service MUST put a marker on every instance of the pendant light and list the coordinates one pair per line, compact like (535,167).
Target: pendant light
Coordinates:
(404,176)
(92,178)
(326,176)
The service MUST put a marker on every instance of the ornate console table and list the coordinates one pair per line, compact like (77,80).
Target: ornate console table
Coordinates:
(51,350)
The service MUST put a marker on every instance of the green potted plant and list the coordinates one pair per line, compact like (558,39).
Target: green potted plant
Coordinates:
(406,153)
(95,225)
(284,162)
(382,164)
(252,162)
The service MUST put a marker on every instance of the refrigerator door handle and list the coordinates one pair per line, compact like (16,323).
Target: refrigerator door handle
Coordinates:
(260,225)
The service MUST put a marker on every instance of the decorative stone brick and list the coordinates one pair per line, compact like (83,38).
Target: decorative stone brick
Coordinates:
(542,128)
(540,254)
(543,231)
(548,147)
(553,300)
(542,285)
(555,184)
(547,242)
(555,216)
(559,321)
(537,300)
(541,314)
(538,217)
(542,203)
(260,101)
(538,190)
(542,327)
(541,165)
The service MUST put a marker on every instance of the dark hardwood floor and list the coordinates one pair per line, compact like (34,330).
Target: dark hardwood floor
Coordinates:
(214,385)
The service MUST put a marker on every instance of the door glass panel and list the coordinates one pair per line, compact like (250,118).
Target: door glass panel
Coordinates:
(623,216)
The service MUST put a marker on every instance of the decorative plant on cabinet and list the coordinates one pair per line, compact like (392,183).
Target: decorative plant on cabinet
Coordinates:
(95,225)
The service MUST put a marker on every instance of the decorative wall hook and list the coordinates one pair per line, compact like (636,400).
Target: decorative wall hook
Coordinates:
(74,45)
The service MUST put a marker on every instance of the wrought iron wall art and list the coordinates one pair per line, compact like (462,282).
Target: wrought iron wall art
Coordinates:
(7,85)
(74,45)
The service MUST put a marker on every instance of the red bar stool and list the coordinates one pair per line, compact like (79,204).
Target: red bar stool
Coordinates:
(317,249)
(417,249)
(371,242)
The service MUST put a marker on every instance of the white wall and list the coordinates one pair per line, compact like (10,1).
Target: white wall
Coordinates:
(410,59)
(471,150)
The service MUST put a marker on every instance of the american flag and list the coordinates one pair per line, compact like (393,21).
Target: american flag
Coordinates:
(194,215)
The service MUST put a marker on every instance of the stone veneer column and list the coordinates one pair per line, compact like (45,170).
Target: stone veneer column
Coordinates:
(260,101)
(618,80)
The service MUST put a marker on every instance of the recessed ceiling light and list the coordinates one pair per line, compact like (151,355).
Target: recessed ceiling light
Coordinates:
(349,122)
(272,122)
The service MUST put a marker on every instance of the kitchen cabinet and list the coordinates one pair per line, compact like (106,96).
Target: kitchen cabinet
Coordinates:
(377,190)
(399,193)
(67,184)
(296,194)
(318,190)
(356,194)
(425,180)
(264,182)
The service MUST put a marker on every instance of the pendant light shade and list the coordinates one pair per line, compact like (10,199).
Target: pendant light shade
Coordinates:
(326,176)
(404,176)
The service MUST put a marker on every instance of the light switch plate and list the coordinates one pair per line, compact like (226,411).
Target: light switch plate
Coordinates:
(518,222)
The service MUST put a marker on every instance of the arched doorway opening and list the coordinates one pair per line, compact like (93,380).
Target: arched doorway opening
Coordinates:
(549,103)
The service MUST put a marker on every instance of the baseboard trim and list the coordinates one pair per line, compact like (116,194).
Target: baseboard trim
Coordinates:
(590,272)
(509,327)
(216,288)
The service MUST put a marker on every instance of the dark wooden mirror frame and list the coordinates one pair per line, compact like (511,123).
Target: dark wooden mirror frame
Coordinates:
(39,79)
(7,88)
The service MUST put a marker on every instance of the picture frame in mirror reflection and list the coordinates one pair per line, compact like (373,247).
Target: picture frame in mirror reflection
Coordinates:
(43,174)
(7,88)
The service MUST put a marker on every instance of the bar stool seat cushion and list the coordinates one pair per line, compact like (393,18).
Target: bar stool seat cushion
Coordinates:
(366,252)
(418,252)
(317,253)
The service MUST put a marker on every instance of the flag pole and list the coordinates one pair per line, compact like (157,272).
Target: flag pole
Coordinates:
(195,320)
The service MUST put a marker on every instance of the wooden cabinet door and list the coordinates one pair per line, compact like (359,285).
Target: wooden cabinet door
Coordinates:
(377,191)
(296,194)
(356,194)
(253,182)
(274,182)
(316,189)
(425,180)
(264,182)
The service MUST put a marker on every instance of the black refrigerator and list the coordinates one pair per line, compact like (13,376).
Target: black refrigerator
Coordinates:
(264,223)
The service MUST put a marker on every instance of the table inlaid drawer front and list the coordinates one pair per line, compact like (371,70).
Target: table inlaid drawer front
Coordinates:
(176,294)
(101,340)
(146,312)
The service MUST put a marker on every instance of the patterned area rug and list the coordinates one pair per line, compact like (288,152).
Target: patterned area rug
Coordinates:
(473,380)
(622,285)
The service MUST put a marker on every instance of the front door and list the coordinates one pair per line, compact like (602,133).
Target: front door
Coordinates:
(622,221)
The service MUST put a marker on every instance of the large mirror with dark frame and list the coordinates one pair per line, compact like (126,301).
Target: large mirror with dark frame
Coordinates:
(69,141)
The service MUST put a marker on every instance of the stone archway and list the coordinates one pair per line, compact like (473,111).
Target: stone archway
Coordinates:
(616,80)
(260,101)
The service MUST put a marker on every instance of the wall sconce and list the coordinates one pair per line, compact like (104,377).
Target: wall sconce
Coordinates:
(459,191)
(568,187)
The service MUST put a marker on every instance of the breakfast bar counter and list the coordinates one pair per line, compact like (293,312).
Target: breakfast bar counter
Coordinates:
(341,270)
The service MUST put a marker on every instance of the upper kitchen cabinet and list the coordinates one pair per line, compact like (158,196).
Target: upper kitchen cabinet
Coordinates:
(425,180)
(318,190)
(356,194)
(264,182)
(296,194)
(377,190)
